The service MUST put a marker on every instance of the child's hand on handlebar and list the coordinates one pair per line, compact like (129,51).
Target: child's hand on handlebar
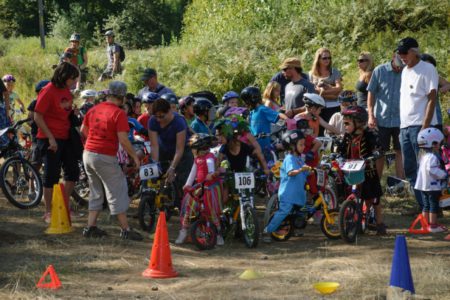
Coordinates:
(305,168)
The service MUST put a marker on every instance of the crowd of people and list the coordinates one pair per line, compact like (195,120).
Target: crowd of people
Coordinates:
(395,105)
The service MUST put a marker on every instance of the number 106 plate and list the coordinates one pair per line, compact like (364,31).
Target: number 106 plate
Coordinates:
(244,181)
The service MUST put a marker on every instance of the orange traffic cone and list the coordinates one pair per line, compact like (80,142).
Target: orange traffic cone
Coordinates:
(423,222)
(160,265)
(54,280)
(60,221)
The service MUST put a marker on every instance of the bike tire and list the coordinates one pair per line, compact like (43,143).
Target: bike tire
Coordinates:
(285,230)
(21,183)
(331,231)
(330,197)
(203,234)
(349,220)
(147,213)
(251,232)
(271,207)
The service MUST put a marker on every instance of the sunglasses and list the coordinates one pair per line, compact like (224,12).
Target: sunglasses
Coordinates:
(361,60)
(326,58)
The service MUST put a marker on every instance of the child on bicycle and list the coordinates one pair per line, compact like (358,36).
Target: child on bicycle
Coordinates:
(430,175)
(361,143)
(203,171)
(293,175)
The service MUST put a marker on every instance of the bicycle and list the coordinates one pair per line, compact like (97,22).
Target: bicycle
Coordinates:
(354,216)
(17,173)
(155,196)
(298,217)
(241,215)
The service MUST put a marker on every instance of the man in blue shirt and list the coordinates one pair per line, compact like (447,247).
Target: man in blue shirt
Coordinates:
(383,104)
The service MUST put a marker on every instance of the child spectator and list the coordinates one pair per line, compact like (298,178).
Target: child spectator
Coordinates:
(271,95)
(346,99)
(360,143)
(229,99)
(202,108)
(203,171)
(186,107)
(88,97)
(147,100)
(293,175)
(430,175)
(10,83)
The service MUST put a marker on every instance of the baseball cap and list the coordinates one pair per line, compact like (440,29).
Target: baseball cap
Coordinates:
(118,88)
(405,44)
(148,73)
(291,62)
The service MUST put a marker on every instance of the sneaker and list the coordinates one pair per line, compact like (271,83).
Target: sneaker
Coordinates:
(181,236)
(47,217)
(381,229)
(220,241)
(93,232)
(130,234)
(436,228)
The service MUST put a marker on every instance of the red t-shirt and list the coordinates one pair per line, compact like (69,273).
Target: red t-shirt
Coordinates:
(55,105)
(104,121)
(143,120)
(309,140)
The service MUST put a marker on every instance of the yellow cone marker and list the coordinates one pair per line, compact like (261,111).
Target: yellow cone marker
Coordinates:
(60,221)
(250,274)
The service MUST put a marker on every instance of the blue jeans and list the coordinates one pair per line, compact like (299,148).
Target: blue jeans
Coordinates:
(431,201)
(283,211)
(410,153)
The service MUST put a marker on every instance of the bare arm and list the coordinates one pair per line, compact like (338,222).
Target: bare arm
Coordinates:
(180,144)
(370,106)
(444,85)
(40,122)
(116,62)
(125,142)
(153,136)
(431,107)
(262,161)
(84,130)
(305,168)
(331,92)
(328,126)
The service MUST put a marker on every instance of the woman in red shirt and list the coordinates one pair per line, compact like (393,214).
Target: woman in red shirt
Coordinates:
(105,126)
(51,114)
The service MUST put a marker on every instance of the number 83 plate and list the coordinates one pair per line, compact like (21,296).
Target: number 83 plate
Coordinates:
(149,171)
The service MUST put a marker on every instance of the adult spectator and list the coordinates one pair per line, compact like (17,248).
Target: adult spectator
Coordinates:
(418,92)
(78,57)
(150,79)
(365,68)
(105,126)
(4,109)
(113,53)
(51,114)
(169,135)
(383,104)
(327,81)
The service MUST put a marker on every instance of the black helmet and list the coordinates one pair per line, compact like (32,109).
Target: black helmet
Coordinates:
(171,98)
(357,113)
(291,137)
(150,97)
(347,96)
(202,106)
(201,141)
(251,95)
(40,85)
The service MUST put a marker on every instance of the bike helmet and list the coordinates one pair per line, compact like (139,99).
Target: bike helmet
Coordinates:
(347,96)
(251,95)
(357,113)
(429,136)
(290,138)
(88,94)
(150,97)
(75,37)
(40,85)
(202,106)
(85,108)
(109,33)
(185,101)
(229,95)
(313,100)
(201,141)
(8,78)
(232,126)
(240,111)
(171,98)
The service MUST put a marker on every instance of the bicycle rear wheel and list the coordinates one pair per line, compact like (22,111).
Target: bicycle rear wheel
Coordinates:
(204,234)
(349,220)
(21,183)
(147,212)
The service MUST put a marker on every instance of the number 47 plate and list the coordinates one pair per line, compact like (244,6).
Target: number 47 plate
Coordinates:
(148,171)
(244,181)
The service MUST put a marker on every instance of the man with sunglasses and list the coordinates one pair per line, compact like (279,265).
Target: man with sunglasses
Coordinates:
(418,93)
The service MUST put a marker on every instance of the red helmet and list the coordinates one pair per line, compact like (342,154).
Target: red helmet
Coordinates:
(357,113)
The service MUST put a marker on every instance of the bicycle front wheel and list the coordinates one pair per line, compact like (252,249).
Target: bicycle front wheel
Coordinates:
(204,234)
(251,231)
(331,229)
(21,183)
(349,220)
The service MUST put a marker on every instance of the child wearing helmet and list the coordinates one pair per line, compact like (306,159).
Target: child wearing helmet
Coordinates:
(147,100)
(313,106)
(88,97)
(293,174)
(230,99)
(346,98)
(360,143)
(186,107)
(203,115)
(10,83)
(430,175)
(204,171)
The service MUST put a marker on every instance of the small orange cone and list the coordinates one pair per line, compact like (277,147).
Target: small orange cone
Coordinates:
(60,221)
(54,280)
(160,265)
(423,222)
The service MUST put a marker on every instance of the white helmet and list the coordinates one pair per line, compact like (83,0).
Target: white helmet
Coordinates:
(428,136)
(88,93)
(313,100)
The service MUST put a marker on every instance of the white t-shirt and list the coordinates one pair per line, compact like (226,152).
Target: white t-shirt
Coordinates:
(430,173)
(337,120)
(417,83)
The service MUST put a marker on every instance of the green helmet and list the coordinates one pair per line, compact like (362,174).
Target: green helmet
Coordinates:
(232,126)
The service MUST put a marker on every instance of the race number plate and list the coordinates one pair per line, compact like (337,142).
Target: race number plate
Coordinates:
(353,165)
(148,171)
(244,181)
(320,177)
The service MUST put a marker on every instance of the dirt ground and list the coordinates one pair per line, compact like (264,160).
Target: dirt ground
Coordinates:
(111,268)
